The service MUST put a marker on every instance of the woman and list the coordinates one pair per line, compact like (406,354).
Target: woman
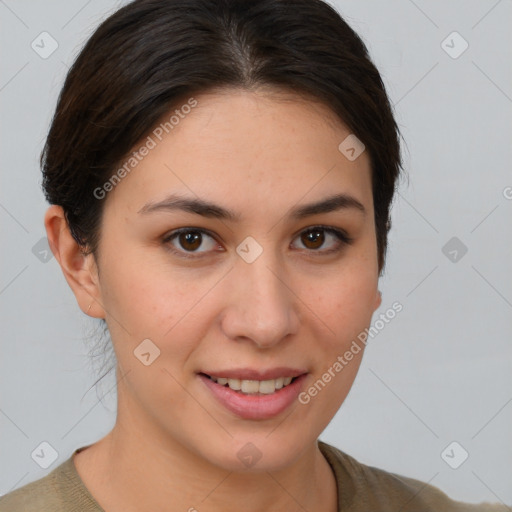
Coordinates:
(220,175)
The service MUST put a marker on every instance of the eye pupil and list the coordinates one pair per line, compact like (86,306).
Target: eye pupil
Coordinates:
(316,237)
(190,238)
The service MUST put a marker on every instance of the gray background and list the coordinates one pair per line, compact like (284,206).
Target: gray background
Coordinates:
(439,372)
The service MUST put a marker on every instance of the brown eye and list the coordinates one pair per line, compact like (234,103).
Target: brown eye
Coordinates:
(186,241)
(190,240)
(315,238)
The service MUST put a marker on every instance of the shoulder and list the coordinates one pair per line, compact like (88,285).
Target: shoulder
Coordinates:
(372,488)
(61,490)
(38,495)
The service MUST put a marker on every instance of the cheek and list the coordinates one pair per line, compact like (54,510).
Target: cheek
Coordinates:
(346,308)
(146,295)
(356,305)
(157,302)
(345,304)
(346,301)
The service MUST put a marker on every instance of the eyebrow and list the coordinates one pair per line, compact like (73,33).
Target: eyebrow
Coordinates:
(208,209)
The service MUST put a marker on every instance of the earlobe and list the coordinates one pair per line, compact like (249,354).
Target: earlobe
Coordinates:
(378,300)
(79,270)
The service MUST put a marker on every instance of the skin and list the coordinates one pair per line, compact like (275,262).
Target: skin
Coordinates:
(173,447)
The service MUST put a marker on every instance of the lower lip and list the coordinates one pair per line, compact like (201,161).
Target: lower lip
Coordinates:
(255,407)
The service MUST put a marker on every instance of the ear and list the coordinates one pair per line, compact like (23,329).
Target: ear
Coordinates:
(378,300)
(80,271)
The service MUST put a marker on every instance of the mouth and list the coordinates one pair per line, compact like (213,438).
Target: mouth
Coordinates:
(257,396)
(253,387)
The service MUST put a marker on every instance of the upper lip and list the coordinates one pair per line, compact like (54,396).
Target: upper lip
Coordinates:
(255,374)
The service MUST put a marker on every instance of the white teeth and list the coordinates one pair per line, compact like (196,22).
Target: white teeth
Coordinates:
(235,384)
(250,386)
(265,387)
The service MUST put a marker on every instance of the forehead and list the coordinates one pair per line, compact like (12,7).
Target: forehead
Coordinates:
(243,148)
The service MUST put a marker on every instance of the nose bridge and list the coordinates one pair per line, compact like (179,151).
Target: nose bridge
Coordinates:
(262,307)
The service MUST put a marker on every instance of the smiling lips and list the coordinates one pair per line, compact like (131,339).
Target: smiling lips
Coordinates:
(255,394)
(264,387)
(249,381)
(252,394)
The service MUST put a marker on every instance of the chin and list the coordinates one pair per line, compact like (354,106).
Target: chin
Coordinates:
(257,453)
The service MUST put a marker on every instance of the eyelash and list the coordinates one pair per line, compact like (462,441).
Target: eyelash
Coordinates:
(343,238)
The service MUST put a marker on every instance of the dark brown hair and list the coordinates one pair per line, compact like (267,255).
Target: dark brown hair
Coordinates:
(149,54)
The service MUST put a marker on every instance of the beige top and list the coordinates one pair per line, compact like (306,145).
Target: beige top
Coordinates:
(361,488)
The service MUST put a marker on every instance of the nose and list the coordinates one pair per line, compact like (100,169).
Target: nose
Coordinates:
(262,305)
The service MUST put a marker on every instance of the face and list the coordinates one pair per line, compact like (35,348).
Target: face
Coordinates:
(256,287)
